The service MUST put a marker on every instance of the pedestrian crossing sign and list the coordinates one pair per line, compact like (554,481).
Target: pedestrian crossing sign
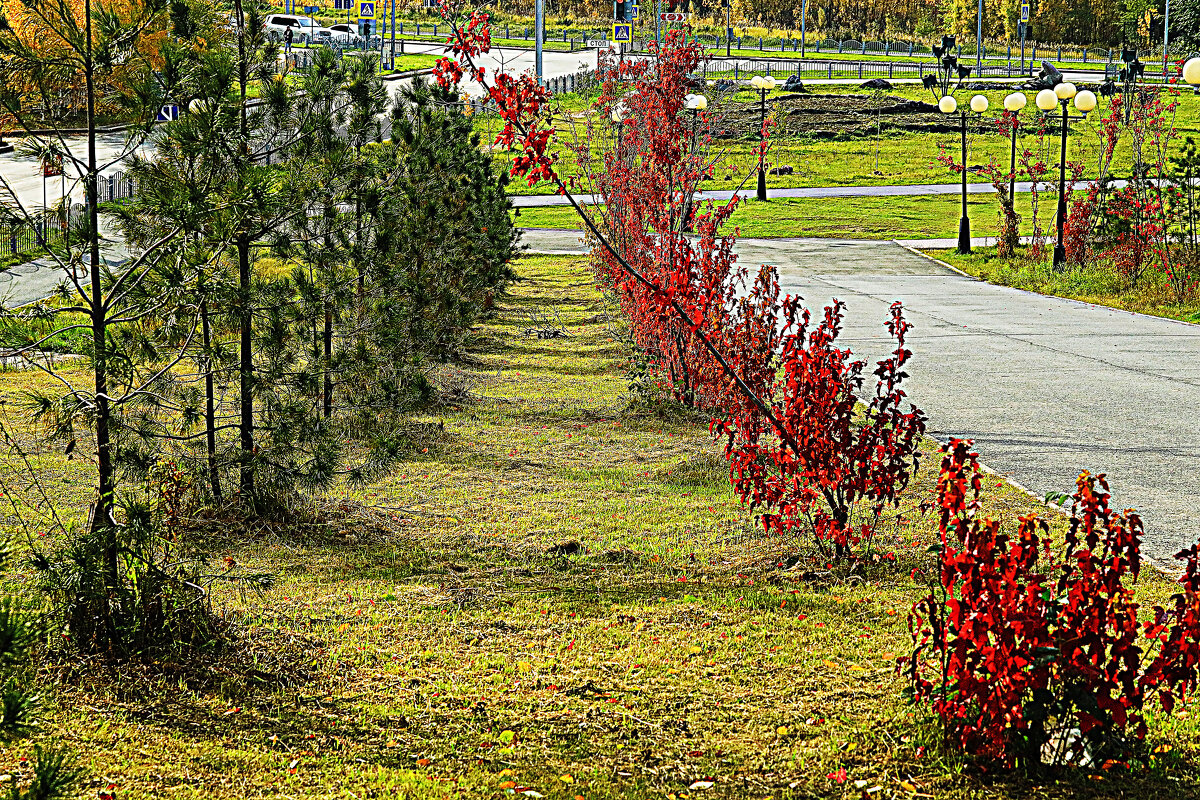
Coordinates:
(635,11)
(1024,12)
(366,9)
(622,32)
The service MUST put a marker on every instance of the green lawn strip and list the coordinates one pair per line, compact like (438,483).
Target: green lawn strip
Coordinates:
(1090,283)
(439,645)
(900,217)
(413,61)
(16,259)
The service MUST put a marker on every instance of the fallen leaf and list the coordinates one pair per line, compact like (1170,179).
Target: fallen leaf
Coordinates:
(702,785)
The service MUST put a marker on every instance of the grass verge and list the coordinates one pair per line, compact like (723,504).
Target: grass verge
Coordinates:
(1090,283)
(899,217)
(557,591)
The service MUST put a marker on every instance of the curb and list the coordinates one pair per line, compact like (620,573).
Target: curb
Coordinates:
(1020,487)
(938,261)
(411,73)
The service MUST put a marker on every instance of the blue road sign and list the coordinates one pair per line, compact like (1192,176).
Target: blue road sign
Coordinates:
(168,114)
(1024,12)
(366,9)
(635,11)
(622,32)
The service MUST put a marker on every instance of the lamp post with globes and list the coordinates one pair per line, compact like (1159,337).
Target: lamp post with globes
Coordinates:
(764,84)
(940,84)
(1046,100)
(1013,104)
(948,105)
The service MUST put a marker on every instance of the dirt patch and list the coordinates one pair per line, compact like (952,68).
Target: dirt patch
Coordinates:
(830,116)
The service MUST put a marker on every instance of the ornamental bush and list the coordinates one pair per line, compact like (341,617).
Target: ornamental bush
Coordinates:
(1032,654)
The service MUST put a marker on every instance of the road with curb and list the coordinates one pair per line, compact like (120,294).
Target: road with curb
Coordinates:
(1046,387)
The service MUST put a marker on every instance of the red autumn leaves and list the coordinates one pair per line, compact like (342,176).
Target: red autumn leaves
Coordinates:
(1020,648)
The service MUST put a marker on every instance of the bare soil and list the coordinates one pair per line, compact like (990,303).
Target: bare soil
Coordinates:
(840,116)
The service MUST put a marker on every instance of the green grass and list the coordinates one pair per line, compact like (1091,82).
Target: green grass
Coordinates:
(410,61)
(1090,283)
(901,217)
(425,643)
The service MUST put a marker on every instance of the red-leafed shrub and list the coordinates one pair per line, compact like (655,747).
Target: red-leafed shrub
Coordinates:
(1032,658)
(784,400)
(648,169)
(825,470)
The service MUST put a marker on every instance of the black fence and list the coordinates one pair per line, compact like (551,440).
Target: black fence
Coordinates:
(578,82)
(50,229)
(843,69)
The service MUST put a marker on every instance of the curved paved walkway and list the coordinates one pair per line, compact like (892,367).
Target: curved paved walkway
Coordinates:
(1046,387)
(906,190)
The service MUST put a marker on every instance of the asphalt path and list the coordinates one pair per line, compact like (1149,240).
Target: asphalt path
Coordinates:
(1046,387)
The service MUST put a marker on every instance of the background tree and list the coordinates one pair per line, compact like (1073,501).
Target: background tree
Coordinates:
(1185,23)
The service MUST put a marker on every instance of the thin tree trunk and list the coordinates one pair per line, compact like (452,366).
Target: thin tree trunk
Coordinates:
(328,342)
(245,350)
(102,520)
(245,369)
(210,414)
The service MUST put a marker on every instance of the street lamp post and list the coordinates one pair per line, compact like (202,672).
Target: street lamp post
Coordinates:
(764,84)
(803,28)
(940,84)
(729,26)
(948,105)
(1012,107)
(1046,100)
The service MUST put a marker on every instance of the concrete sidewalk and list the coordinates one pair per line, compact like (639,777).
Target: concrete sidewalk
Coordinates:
(39,279)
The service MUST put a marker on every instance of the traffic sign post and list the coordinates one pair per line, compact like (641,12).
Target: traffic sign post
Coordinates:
(366,18)
(1023,26)
(622,32)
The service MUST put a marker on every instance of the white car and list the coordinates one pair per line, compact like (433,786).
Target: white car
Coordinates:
(304,29)
(343,33)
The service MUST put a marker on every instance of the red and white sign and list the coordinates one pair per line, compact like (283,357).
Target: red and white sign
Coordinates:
(672,16)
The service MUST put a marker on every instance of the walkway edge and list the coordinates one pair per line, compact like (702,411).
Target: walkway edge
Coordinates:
(1029,291)
(937,261)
